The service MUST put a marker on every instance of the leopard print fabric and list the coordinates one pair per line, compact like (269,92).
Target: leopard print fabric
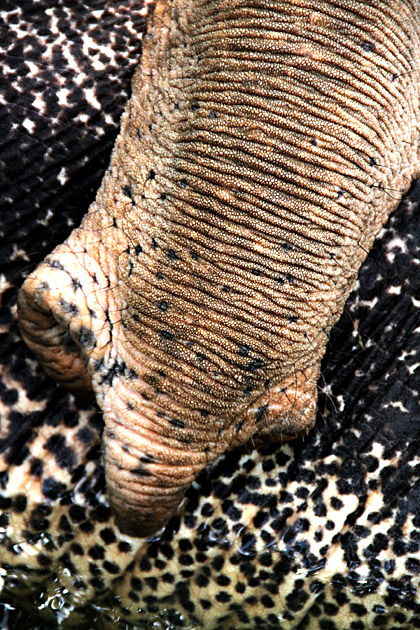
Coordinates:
(320,534)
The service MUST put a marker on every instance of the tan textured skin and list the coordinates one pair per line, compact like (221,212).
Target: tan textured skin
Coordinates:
(264,146)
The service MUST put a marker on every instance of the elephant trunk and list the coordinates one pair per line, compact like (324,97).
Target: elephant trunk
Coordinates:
(264,146)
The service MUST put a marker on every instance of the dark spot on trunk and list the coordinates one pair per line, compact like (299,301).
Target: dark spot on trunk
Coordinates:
(85,337)
(76,284)
(368,46)
(177,423)
(140,471)
(147,458)
(254,365)
(55,264)
(244,350)
(261,413)
(68,307)
(128,192)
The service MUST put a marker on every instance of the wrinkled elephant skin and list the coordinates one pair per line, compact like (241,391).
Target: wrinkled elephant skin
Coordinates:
(264,146)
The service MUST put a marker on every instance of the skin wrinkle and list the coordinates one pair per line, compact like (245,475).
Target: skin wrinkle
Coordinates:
(163,429)
(272,150)
(218,305)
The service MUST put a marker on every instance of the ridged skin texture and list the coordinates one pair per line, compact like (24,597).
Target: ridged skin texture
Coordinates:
(264,146)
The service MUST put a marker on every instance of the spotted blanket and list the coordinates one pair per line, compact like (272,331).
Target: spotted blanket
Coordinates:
(322,533)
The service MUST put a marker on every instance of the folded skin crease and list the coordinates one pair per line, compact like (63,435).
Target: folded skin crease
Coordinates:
(263,148)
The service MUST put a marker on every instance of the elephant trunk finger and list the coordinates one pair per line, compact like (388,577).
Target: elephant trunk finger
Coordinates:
(148,468)
(43,320)
(144,497)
